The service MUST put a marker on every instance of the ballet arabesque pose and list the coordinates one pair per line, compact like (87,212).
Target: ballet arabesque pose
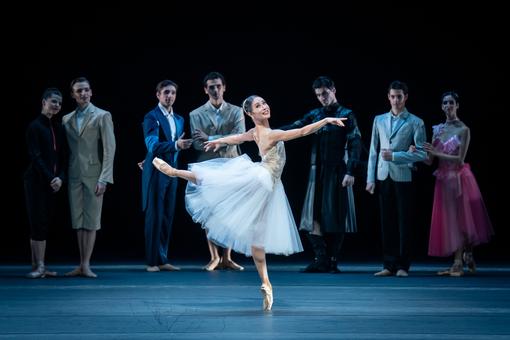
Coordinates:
(262,221)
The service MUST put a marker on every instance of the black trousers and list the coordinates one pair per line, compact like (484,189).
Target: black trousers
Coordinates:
(41,204)
(396,201)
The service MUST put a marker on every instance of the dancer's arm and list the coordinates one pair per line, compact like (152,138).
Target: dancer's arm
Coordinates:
(459,158)
(230,140)
(281,135)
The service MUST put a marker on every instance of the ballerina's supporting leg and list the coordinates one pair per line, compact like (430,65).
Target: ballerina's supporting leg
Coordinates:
(165,168)
(259,257)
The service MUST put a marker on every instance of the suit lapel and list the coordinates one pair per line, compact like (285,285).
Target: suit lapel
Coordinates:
(400,122)
(387,125)
(72,121)
(211,115)
(179,126)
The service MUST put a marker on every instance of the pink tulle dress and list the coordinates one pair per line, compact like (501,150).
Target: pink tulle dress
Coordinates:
(459,216)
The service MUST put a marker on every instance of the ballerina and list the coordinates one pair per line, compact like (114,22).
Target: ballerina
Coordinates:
(242,204)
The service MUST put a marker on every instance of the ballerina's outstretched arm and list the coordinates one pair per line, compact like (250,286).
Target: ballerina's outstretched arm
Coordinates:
(281,135)
(230,140)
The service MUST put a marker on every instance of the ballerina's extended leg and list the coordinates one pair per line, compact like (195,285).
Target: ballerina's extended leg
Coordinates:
(170,171)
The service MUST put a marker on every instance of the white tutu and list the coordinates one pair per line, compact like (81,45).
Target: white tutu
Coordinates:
(241,204)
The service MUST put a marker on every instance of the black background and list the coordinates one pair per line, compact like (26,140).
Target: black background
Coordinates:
(274,53)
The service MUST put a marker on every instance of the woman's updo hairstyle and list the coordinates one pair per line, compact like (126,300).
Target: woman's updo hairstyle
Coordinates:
(247,104)
(454,95)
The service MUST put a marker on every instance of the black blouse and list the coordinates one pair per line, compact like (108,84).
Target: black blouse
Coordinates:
(47,149)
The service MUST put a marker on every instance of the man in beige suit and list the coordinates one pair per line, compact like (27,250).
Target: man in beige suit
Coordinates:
(89,131)
(213,120)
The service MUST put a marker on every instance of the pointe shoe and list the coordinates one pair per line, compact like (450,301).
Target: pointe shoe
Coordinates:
(38,273)
(469,260)
(267,297)
(214,264)
(163,166)
(74,272)
(384,272)
(168,267)
(229,264)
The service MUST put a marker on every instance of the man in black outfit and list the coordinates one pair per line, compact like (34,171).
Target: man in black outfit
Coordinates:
(328,210)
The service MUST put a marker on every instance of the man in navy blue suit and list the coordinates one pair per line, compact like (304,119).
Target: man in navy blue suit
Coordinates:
(163,132)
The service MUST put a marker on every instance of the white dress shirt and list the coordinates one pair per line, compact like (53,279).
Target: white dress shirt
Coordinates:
(170,117)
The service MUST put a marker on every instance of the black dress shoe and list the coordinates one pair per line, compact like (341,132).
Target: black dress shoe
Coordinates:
(333,267)
(317,266)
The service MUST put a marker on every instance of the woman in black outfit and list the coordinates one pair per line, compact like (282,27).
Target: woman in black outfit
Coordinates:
(44,176)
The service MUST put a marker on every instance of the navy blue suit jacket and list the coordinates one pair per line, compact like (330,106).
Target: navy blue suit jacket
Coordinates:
(159,143)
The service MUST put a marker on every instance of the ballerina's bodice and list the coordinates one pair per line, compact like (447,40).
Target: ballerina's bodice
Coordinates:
(274,160)
(447,141)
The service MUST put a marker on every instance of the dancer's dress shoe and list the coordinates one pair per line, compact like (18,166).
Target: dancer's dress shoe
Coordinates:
(317,266)
(384,272)
(168,267)
(152,269)
(333,267)
(267,297)
(39,273)
(402,273)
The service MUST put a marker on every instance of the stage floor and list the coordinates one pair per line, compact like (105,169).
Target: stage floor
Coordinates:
(126,302)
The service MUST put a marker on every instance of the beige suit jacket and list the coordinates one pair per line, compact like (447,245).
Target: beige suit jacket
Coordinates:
(93,147)
(231,123)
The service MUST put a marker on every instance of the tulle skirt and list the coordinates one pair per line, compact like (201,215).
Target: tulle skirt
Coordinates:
(240,205)
(459,216)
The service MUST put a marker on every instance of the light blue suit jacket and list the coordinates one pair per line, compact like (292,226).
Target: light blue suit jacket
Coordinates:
(409,130)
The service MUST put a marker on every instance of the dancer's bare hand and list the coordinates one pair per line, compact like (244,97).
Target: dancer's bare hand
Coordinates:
(212,145)
(199,135)
(336,121)
(184,144)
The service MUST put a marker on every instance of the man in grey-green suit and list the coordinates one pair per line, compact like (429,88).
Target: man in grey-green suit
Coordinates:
(213,120)
(89,131)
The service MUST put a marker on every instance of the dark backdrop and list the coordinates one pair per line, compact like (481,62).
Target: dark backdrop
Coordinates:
(273,53)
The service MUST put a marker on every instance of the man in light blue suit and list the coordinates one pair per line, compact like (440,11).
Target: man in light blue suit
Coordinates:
(163,132)
(392,134)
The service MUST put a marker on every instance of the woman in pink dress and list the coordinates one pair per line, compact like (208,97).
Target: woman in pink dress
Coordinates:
(459,217)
